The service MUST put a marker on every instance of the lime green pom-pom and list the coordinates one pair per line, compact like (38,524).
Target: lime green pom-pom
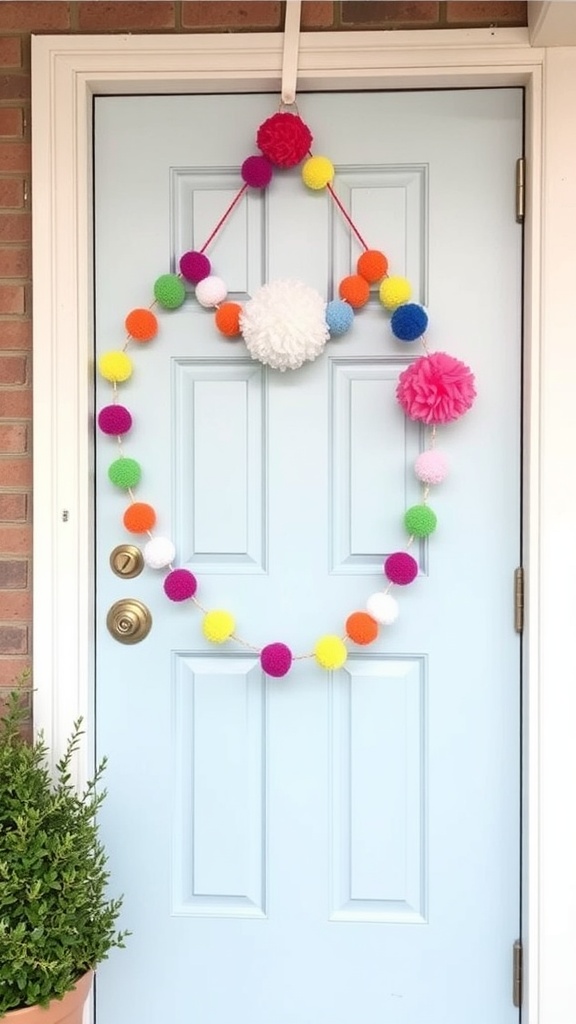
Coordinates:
(394,291)
(330,652)
(115,366)
(218,626)
(420,520)
(125,473)
(169,291)
(318,172)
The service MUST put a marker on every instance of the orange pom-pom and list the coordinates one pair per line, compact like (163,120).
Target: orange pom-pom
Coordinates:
(372,265)
(139,517)
(227,319)
(361,628)
(141,324)
(355,290)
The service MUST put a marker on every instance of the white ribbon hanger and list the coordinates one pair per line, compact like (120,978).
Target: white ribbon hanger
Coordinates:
(290,51)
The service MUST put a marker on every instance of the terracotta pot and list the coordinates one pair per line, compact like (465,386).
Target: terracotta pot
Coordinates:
(68,1010)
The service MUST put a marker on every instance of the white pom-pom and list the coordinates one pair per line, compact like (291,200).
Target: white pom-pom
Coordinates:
(210,291)
(383,608)
(159,552)
(284,324)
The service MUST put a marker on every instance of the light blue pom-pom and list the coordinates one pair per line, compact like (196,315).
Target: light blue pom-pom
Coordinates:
(409,322)
(339,316)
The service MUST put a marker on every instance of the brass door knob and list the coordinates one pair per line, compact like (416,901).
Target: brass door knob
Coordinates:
(129,621)
(127,561)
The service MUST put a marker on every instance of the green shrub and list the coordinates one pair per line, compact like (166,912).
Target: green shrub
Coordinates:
(56,919)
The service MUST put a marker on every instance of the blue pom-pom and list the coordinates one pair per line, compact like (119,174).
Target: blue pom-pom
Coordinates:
(339,316)
(409,322)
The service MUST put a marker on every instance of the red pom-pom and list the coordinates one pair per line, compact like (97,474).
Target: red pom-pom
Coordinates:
(284,139)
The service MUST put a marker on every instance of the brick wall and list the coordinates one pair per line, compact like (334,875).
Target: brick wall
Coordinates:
(17,22)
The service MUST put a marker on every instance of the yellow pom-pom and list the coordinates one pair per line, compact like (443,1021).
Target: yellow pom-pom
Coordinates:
(317,172)
(330,652)
(115,366)
(218,626)
(394,291)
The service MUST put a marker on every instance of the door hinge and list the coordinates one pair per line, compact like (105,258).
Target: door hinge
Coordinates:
(517,969)
(520,189)
(519,599)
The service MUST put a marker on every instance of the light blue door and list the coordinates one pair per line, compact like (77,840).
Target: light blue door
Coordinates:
(328,847)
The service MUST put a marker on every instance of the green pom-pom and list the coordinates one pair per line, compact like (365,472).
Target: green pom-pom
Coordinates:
(169,291)
(125,473)
(420,520)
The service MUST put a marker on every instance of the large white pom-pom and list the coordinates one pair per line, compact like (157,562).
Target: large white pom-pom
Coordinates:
(383,608)
(159,552)
(284,324)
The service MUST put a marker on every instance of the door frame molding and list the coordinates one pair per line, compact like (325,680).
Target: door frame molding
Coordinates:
(67,71)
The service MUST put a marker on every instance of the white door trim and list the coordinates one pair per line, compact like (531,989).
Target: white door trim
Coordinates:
(67,72)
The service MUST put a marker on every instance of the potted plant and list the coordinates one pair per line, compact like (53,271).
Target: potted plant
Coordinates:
(57,921)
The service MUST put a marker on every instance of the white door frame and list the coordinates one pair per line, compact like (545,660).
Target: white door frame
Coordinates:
(67,71)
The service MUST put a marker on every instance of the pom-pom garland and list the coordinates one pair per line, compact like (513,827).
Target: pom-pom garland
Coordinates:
(285,324)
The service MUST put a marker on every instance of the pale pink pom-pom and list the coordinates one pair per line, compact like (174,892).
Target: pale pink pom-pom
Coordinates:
(436,389)
(431,467)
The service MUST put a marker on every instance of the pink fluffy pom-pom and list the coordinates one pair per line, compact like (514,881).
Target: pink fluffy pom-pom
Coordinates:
(436,389)
(431,467)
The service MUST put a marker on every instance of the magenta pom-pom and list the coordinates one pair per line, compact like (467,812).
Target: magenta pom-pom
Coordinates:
(195,266)
(257,171)
(114,419)
(180,585)
(276,660)
(401,568)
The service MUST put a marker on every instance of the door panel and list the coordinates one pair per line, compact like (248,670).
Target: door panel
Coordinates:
(327,846)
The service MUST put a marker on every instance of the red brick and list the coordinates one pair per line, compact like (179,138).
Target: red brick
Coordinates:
(15,540)
(16,334)
(34,16)
(16,473)
(13,574)
(13,507)
(10,52)
(12,298)
(15,156)
(13,639)
(232,14)
(13,438)
(15,227)
(317,14)
(374,13)
(15,87)
(486,13)
(16,403)
(99,16)
(11,192)
(15,262)
(13,370)
(16,605)
(10,671)
(11,122)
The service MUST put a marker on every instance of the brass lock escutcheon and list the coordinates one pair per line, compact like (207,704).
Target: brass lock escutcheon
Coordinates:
(127,561)
(129,621)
